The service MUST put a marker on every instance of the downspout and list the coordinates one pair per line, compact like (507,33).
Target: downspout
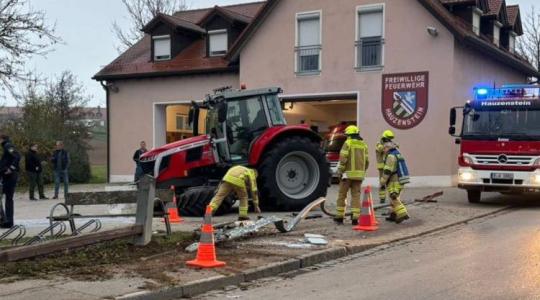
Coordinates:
(106,88)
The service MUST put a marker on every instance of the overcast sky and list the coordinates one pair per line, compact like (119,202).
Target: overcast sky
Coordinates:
(89,44)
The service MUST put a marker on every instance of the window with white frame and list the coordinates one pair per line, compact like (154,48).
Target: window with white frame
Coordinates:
(512,41)
(370,36)
(497,33)
(217,40)
(477,13)
(162,47)
(308,42)
(182,122)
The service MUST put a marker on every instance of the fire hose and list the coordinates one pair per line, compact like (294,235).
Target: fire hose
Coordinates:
(426,199)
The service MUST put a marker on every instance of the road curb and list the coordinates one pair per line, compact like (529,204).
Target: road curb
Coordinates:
(272,269)
(306,260)
(317,257)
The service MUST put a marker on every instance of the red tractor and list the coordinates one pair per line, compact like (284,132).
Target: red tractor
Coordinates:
(243,127)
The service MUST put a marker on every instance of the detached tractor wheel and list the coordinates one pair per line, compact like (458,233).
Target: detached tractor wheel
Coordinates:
(193,202)
(474,196)
(292,174)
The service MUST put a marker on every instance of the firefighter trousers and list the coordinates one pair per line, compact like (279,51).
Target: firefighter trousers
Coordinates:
(344,186)
(382,188)
(398,208)
(224,190)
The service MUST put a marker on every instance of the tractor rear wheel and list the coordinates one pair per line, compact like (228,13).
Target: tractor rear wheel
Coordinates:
(293,173)
(193,202)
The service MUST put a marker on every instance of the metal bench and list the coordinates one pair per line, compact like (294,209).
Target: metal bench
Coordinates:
(104,198)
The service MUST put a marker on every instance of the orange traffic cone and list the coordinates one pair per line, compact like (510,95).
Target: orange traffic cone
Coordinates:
(174,216)
(367,217)
(373,216)
(206,252)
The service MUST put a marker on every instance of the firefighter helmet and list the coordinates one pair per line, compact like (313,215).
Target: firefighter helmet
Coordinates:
(388,134)
(352,129)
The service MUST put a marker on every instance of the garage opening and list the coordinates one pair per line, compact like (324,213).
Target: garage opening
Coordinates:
(327,114)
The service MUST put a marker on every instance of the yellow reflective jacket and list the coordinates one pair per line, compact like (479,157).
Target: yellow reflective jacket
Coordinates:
(353,159)
(244,178)
(379,153)
(381,156)
(390,178)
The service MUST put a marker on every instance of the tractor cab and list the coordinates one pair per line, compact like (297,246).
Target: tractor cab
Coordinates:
(235,118)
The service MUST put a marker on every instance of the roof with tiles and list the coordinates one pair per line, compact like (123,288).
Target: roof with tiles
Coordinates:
(464,34)
(513,12)
(136,61)
(495,7)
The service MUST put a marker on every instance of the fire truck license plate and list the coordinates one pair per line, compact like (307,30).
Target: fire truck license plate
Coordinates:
(502,176)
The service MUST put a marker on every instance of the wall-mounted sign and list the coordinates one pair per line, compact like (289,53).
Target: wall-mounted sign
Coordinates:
(405,98)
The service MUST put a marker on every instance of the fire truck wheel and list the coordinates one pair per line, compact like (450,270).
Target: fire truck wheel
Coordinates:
(474,196)
(293,173)
(193,202)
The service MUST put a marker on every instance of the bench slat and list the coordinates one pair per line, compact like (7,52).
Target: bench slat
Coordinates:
(111,197)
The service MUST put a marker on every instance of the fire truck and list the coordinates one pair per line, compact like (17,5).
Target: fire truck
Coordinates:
(499,141)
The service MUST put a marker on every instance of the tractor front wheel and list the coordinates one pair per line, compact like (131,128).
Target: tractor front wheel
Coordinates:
(293,173)
(193,202)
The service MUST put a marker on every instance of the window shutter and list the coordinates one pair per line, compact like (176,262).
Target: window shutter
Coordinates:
(371,24)
(496,32)
(218,43)
(162,48)
(308,31)
(511,43)
(476,23)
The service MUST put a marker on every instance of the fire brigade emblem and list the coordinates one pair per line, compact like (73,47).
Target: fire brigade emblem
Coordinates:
(405,99)
(404,104)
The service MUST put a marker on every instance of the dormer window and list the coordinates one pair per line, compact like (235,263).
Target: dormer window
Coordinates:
(497,32)
(162,47)
(476,14)
(217,40)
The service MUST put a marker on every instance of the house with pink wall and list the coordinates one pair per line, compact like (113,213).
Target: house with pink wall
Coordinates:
(386,64)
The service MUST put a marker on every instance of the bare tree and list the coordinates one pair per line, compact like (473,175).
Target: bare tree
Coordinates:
(528,45)
(23,34)
(141,12)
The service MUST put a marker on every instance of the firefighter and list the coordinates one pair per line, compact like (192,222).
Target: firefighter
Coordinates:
(387,136)
(395,176)
(352,166)
(9,169)
(241,181)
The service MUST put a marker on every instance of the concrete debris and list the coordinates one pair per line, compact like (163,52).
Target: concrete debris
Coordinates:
(245,229)
(315,239)
(235,230)
(298,245)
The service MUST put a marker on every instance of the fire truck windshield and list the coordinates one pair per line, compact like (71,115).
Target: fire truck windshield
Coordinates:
(508,124)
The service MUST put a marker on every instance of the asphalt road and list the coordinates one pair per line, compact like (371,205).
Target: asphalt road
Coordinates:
(492,258)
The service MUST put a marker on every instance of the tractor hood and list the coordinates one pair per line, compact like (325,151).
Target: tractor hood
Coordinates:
(177,146)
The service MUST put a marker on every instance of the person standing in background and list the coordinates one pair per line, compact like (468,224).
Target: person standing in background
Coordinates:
(9,170)
(136,158)
(33,170)
(60,161)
